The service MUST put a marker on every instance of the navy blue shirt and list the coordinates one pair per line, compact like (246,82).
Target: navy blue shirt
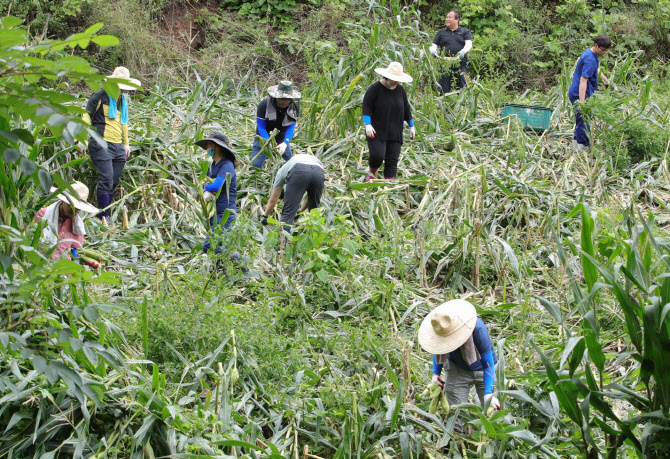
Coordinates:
(587,67)
(228,195)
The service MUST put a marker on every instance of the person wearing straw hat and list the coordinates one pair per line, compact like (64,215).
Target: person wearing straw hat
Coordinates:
(223,187)
(385,108)
(461,345)
(63,224)
(454,43)
(276,111)
(109,117)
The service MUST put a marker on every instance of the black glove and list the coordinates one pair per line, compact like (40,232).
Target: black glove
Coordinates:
(264,221)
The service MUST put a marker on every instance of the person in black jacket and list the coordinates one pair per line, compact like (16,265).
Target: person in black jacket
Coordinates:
(453,42)
(109,117)
(385,107)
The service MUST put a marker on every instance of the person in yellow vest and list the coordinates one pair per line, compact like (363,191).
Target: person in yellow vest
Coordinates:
(109,117)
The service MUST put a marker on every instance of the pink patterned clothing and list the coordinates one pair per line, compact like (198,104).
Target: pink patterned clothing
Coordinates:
(66,238)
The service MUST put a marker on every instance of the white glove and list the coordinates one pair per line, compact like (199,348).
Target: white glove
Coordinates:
(491,401)
(370,131)
(412,132)
(207,196)
(127,149)
(436,379)
(433,49)
(281,148)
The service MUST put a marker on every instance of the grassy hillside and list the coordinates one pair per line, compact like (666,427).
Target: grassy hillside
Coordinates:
(314,353)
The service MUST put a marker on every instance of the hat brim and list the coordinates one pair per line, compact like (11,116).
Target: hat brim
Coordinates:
(277,94)
(203,144)
(404,78)
(77,203)
(128,87)
(435,344)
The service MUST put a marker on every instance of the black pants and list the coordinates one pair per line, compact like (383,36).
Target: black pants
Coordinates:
(387,152)
(454,76)
(109,163)
(303,178)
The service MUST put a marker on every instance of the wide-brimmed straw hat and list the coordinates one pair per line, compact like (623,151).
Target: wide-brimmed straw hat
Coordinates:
(284,90)
(123,73)
(218,138)
(447,327)
(395,72)
(78,202)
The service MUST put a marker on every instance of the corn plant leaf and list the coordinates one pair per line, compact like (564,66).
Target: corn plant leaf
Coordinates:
(565,389)
(590,271)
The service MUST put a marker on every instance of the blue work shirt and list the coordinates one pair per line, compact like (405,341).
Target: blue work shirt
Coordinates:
(228,195)
(587,67)
(483,343)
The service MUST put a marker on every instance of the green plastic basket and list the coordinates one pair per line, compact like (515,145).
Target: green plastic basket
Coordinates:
(533,117)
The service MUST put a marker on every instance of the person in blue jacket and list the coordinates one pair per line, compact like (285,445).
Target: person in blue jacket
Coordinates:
(223,188)
(276,111)
(462,348)
(585,83)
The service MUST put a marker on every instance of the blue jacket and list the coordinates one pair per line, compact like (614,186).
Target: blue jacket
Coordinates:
(484,345)
(225,179)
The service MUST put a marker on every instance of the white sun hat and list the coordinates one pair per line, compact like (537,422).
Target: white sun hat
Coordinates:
(78,202)
(395,72)
(123,73)
(447,327)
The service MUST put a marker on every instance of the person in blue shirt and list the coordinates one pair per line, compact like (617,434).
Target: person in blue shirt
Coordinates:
(223,188)
(461,346)
(277,111)
(585,83)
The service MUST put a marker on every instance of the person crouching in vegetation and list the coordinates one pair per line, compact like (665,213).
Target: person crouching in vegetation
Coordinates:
(584,84)
(277,111)
(109,117)
(385,107)
(64,225)
(223,187)
(461,345)
(301,174)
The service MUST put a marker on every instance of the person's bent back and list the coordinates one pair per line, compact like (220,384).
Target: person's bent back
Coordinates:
(301,174)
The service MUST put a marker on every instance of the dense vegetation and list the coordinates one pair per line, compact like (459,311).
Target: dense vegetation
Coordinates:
(314,354)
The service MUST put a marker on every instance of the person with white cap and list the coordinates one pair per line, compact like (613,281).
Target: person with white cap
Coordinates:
(276,111)
(64,227)
(300,175)
(109,117)
(385,108)
(461,345)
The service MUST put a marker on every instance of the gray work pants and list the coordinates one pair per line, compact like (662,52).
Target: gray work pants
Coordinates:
(303,178)
(458,383)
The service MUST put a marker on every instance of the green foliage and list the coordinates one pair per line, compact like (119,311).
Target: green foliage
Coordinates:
(315,346)
(629,264)
(47,19)
(275,12)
